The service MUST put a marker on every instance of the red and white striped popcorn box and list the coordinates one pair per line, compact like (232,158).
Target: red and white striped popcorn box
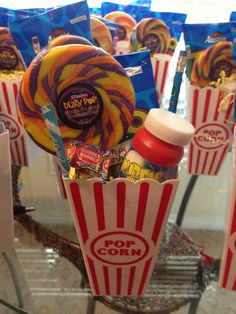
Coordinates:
(6,203)
(211,142)
(227,278)
(160,66)
(120,226)
(20,143)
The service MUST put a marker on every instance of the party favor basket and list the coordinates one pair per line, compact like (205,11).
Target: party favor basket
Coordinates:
(119,226)
(22,149)
(214,128)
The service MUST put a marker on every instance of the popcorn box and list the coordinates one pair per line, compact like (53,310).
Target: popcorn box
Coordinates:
(120,226)
(22,149)
(227,277)
(211,142)
(6,203)
(160,66)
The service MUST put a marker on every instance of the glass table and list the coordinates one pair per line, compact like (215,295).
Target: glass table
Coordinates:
(179,277)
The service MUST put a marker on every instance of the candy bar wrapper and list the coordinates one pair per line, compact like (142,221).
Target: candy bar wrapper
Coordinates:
(22,150)
(211,142)
(227,278)
(139,69)
(69,19)
(120,225)
(6,203)
(160,66)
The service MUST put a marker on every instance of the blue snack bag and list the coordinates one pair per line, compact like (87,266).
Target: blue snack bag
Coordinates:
(9,15)
(173,20)
(138,67)
(199,37)
(35,32)
(173,23)
(233,16)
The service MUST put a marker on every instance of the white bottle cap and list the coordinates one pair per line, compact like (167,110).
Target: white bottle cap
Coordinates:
(169,127)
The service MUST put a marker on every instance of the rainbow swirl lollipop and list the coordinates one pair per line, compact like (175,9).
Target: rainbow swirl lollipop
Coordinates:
(10,58)
(125,20)
(153,34)
(90,90)
(101,35)
(69,40)
(211,61)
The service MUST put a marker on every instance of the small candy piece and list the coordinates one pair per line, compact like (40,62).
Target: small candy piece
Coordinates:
(88,161)
(125,20)
(90,90)
(211,62)
(69,40)
(101,35)
(10,58)
(154,35)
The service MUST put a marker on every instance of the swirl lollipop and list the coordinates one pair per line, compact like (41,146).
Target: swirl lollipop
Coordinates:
(91,92)
(69,40)
(125,20)
(10,58)
(101,35)
(211,61)
(153,34)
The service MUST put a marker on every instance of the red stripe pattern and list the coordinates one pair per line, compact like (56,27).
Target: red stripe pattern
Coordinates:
(119,226)
(208,149)
(8,109)
(160,72)
(228,264)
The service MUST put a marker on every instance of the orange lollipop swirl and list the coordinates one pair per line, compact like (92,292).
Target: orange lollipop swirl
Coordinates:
(211,61)
(153,34)
(90,90)
(69,40)
(101,35)
(125,20)
(10,58)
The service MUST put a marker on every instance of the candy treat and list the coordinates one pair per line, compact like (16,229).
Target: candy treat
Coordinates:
(10,58)
(125,20)
(68,40)
(153,34)
(91,92)
(101,35)
(211,62)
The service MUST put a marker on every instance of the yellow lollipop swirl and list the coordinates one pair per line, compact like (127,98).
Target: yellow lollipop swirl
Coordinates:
(153,34)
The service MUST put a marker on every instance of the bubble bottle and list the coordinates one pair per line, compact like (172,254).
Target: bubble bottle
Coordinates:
(157,147)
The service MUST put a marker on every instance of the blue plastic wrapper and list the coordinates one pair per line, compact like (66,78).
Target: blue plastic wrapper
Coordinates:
(233,16)
(202,36)
(42,28)
(174,21)
(199,37)
(9,15)
(139,69)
